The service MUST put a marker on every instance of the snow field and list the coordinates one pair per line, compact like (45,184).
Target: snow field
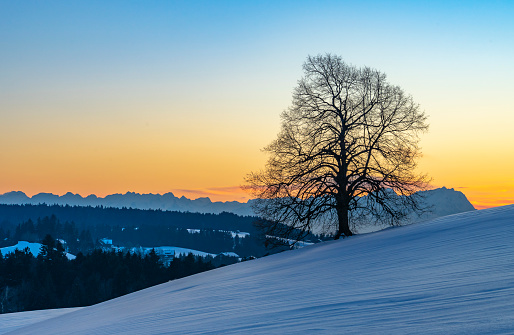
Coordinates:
(450,275)
(34,248)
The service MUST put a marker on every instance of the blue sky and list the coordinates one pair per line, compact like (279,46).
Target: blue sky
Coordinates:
(115,96)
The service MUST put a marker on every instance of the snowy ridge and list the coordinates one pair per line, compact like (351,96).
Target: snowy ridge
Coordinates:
(454,274)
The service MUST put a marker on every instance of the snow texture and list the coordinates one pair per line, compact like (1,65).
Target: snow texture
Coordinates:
(451,275)
(12,321)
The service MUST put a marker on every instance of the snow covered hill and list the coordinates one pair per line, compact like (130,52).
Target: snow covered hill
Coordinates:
(34,248)
(450,275)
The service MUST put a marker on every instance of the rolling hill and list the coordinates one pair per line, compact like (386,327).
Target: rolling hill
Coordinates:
(454,274)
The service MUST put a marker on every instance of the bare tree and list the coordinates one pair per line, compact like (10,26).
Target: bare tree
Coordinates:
(346,150)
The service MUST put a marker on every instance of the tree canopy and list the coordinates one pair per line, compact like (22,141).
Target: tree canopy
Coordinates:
(346,151)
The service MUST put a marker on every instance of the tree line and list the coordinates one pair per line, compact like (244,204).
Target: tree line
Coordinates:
(51,280)
(145,234)
(85,240)
(85,217)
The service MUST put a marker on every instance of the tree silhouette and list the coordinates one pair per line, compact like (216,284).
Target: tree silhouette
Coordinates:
(346,150)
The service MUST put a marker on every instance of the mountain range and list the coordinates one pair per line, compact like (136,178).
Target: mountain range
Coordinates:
(444,201)
(167,202)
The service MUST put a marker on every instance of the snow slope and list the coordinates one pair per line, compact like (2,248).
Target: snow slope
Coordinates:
(34,249)
(12,321)
(454,274)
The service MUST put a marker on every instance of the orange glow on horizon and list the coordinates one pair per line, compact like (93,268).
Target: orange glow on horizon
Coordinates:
(215,194)
(234,193)
(488,196)
(479,199)
(181,99)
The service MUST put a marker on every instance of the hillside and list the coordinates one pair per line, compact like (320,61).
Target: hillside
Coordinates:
(449,275)
(12,214)
(34,248)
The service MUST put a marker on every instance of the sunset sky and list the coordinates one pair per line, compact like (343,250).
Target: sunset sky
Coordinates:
(181,96)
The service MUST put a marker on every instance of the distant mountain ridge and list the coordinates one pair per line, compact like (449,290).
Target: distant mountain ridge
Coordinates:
(167,201)
(443,200)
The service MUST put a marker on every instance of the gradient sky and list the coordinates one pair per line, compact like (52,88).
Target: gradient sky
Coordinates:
(155,96)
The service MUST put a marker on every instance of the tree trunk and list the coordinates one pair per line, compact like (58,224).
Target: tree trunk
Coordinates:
(342,216)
